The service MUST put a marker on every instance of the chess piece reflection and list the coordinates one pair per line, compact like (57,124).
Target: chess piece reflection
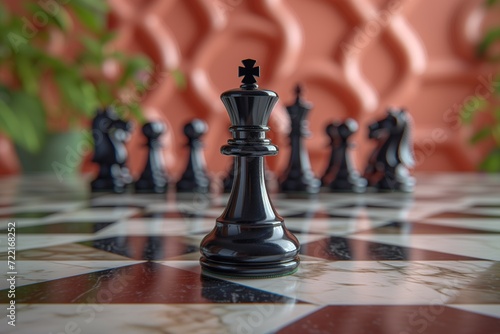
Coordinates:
(110,134)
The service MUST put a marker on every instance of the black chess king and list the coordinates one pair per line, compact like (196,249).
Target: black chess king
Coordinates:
(249,238)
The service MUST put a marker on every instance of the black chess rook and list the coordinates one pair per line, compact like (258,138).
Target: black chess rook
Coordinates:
(153,179)
(299,177)
(250,238)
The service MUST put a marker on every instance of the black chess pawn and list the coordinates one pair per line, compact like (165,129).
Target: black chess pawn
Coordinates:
(153,179)
(195,177)
(389,164)
(250,238)
(340,175)
(110,134)
(298,176)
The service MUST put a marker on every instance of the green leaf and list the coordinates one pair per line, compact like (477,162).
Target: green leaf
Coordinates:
(92,45)
(496,85)
(133,65)
(496,113)
(97,6)
(9,123)
(4,13)
(490,3)
(179,78)
(471,107)
(480,135)
(32,123)
(91,17)
(136,111)
(62,19)
(492,162)
(27,74)
(488,40)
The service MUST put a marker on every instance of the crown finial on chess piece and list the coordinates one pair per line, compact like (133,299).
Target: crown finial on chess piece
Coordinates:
(298,91)
(249,72)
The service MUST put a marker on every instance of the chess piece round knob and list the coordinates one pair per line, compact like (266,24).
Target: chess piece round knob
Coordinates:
(195,129)
(153,130)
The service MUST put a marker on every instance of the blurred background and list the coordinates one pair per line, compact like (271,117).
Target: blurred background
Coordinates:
(170,60)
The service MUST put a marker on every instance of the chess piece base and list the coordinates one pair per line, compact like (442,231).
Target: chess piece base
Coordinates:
(353,183)
(305,184)
(259,271)
(144,186)
(111,179)
(227,250)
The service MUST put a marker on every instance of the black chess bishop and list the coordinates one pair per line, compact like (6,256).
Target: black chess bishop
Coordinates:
(195,177)
(249,239)
(298,177)
(340,174)
(388,167)
(153,179)
(110,133)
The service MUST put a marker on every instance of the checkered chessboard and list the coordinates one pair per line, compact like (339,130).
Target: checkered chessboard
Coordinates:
(427,262)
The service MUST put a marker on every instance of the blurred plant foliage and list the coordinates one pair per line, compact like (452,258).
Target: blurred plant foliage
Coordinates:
(25,113)
(487,104)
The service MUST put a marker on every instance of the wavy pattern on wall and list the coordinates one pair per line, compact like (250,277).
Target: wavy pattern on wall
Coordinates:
(354,57)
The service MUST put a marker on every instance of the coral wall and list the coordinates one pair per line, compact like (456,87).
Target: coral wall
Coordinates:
(353,57)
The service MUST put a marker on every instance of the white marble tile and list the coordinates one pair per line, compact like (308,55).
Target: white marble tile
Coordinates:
(22,222)
(158,226)
(368,282)
(495,212)
(484,224)
(156,318)
(29,272)
(488,310)
(129,199)
(93,215)
(30,241)
(41,207)
(332,226)
(481,246)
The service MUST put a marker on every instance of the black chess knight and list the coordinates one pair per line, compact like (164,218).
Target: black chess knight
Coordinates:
(195,178)
(250,238)
(389,164)
(340,174)
(110,133)
(153,178)
(298,176)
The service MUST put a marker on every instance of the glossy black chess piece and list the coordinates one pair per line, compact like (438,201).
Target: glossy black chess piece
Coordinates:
(227,182)
(153,179)
(195,177)
(389,164)
(298,176)
(250,238)
(340,175)
(110,133)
